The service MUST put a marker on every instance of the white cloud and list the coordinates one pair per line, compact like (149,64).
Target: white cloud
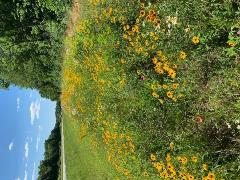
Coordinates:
(40,128)
(18,104)
(18,178)
(25,175)
(34,171)
(34,111)
(38,137)
(10,146)
(37,144)
(26,150)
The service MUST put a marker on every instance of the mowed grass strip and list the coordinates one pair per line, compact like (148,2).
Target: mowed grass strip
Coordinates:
(83,159)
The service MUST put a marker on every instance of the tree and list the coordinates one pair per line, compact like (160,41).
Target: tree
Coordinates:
(4,84)
(31,41)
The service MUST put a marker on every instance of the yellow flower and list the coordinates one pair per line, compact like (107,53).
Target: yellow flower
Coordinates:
(146,43)
(187,30)
(190,177)
(138,72)
(145,173)
(153,87)
(158,64)
(110,10)
(183,175)
(159,166)
(205,167)
(163,58)
(182,55)
(161,101)
(165,86)
(168,157)
(126,172)
(164,174)
(137,20)
(113,20)
(211,176)
(125,36)
(156,38)
(153,157)
(175,85)
(159,53)
(173,173)
(153,47)
(195,40)
(154,60)
(170,167)
(159,70)
(121,18)
(171,73)
(171,145)
(166,67)
(174,99)
(182,160)
(180,95)
(170,94)
(194,159)
(174,66)
(122,82)
(231,43)
(122,61)
(154,94)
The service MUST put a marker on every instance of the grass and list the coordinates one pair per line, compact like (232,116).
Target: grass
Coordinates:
(82,159)
(151,92)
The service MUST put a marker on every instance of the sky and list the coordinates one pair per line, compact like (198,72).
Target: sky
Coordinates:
(26,120)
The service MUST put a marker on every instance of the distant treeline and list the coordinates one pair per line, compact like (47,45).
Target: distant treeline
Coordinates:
(31,42)
(50,167)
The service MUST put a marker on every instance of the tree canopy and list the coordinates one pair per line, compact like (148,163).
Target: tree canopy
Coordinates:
(31,42)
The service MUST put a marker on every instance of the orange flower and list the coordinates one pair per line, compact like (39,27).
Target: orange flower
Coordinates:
(231,43)
(211,176)
(170,94)
(142,13)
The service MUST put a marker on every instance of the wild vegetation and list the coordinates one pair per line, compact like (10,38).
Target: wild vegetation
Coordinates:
(152,88)
(149,88)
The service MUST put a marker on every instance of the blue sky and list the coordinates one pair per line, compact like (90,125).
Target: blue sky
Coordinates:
(26,121)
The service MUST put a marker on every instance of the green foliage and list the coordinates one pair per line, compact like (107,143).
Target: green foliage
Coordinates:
(31,43)
(4,84)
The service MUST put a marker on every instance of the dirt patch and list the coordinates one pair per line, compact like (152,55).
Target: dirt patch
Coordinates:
(73,18)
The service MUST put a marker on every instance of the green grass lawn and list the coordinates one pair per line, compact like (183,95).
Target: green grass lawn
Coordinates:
(83,161)
(152,91)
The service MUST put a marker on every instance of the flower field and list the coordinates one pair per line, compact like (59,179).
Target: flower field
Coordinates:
(150,90)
